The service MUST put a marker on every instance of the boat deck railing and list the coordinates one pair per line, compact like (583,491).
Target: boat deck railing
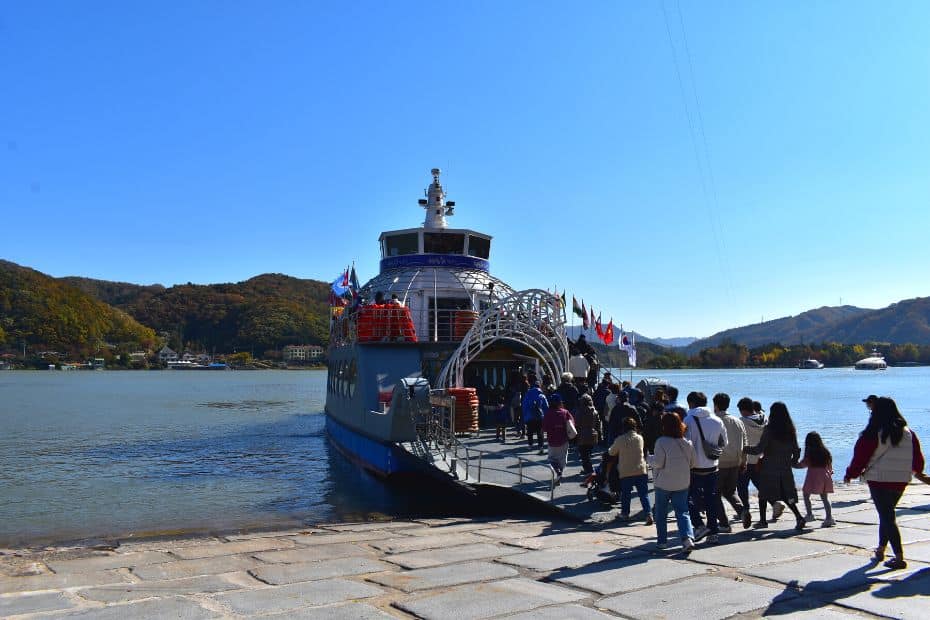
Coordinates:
(437,439)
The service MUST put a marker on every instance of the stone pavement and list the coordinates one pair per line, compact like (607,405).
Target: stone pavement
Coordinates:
(467,568)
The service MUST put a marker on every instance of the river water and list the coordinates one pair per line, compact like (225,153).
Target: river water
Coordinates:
(88,454)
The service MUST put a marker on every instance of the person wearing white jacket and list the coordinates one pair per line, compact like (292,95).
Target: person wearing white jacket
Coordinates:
(708,435)
(672,463)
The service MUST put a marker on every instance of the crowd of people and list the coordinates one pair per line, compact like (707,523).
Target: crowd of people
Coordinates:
(703,458)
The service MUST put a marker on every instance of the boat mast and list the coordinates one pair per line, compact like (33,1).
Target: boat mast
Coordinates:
(435,203)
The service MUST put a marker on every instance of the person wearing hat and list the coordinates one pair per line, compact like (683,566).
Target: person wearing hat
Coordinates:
(555,424)
(870,401)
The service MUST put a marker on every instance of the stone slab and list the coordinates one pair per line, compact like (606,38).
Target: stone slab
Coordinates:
(444,576)
(759,551)
(106,562)
(813,611)
(572,539)
(864,536)
(250,545)
(158,589)
(517,531)
(633,574)
(329,538)
(920,552)
(370,525)
(419,543)
(313,554)
(194,568)
(829,573)
(296,595)
(455,528)
(699,597)
(438,557)
(344,611)
(487,600)
(562,612)
(870,517)
(34,603)
(561,558)
(280,574)
(34,583)
(153,609)
(908,599)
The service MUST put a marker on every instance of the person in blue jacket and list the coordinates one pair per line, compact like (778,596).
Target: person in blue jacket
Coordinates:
(535,406)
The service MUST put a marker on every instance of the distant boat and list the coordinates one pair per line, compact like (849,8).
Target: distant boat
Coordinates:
(874,362)
(810,364)
(185,365)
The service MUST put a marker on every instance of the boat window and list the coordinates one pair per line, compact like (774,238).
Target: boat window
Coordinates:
(398,245)
(479,246)
(443,243)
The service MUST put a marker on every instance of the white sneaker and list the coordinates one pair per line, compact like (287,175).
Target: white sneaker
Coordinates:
(828,522)
(777,509)
(700,532)
(687,545)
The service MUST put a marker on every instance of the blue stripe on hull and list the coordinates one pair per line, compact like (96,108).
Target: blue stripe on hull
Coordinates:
(383,459)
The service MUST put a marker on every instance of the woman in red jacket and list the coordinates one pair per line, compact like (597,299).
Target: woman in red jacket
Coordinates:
(886,454)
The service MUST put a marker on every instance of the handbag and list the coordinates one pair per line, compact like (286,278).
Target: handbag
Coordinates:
(711,451)
(570,429)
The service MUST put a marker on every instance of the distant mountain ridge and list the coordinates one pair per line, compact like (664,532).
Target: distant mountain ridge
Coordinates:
(903,322)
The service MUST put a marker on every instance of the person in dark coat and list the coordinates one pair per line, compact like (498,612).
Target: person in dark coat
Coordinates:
(780,453)
(586,423)
(568,392)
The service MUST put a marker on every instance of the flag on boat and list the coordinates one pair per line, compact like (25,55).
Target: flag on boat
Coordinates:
(599,329)
(584,317)
(609,333)
(576,308)
(562,298)
(591,311)
(628,344)
(353,281)
(340,285)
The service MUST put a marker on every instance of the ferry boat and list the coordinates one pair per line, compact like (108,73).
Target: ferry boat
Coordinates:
(448,325)
(875,361)
(810,364)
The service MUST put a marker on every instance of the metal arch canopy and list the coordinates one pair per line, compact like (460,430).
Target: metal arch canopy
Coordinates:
(532,317)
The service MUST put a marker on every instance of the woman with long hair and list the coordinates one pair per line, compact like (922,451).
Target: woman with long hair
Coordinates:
(674,458)
(780,453)
(886,454)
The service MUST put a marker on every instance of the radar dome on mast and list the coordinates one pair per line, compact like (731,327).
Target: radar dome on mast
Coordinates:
(437,208)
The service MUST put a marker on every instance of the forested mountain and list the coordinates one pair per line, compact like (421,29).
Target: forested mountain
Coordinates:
(262,313)
(48,314)
(810,326)
(900,323)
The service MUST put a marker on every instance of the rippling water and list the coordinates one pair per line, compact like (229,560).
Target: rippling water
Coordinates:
(85,454)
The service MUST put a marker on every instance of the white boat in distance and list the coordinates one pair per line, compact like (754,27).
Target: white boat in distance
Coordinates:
(874,362)
(810,364)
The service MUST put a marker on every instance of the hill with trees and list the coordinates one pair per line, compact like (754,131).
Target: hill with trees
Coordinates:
(48,314)
(261,314)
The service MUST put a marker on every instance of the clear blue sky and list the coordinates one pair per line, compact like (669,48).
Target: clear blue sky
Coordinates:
(208,142)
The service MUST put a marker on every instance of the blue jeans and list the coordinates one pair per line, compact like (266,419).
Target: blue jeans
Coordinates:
(641,483)
(703,491)
(679,502)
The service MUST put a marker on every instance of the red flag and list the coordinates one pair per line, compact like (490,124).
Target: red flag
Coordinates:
(584,317)
(598,328)
(345,278)
(609,332)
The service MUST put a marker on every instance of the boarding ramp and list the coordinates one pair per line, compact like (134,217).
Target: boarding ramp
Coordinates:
(478,459)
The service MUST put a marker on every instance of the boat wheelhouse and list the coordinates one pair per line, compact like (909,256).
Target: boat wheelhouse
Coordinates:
(433,323)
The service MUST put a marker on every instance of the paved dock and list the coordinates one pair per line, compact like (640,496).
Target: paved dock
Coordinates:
(485,568)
